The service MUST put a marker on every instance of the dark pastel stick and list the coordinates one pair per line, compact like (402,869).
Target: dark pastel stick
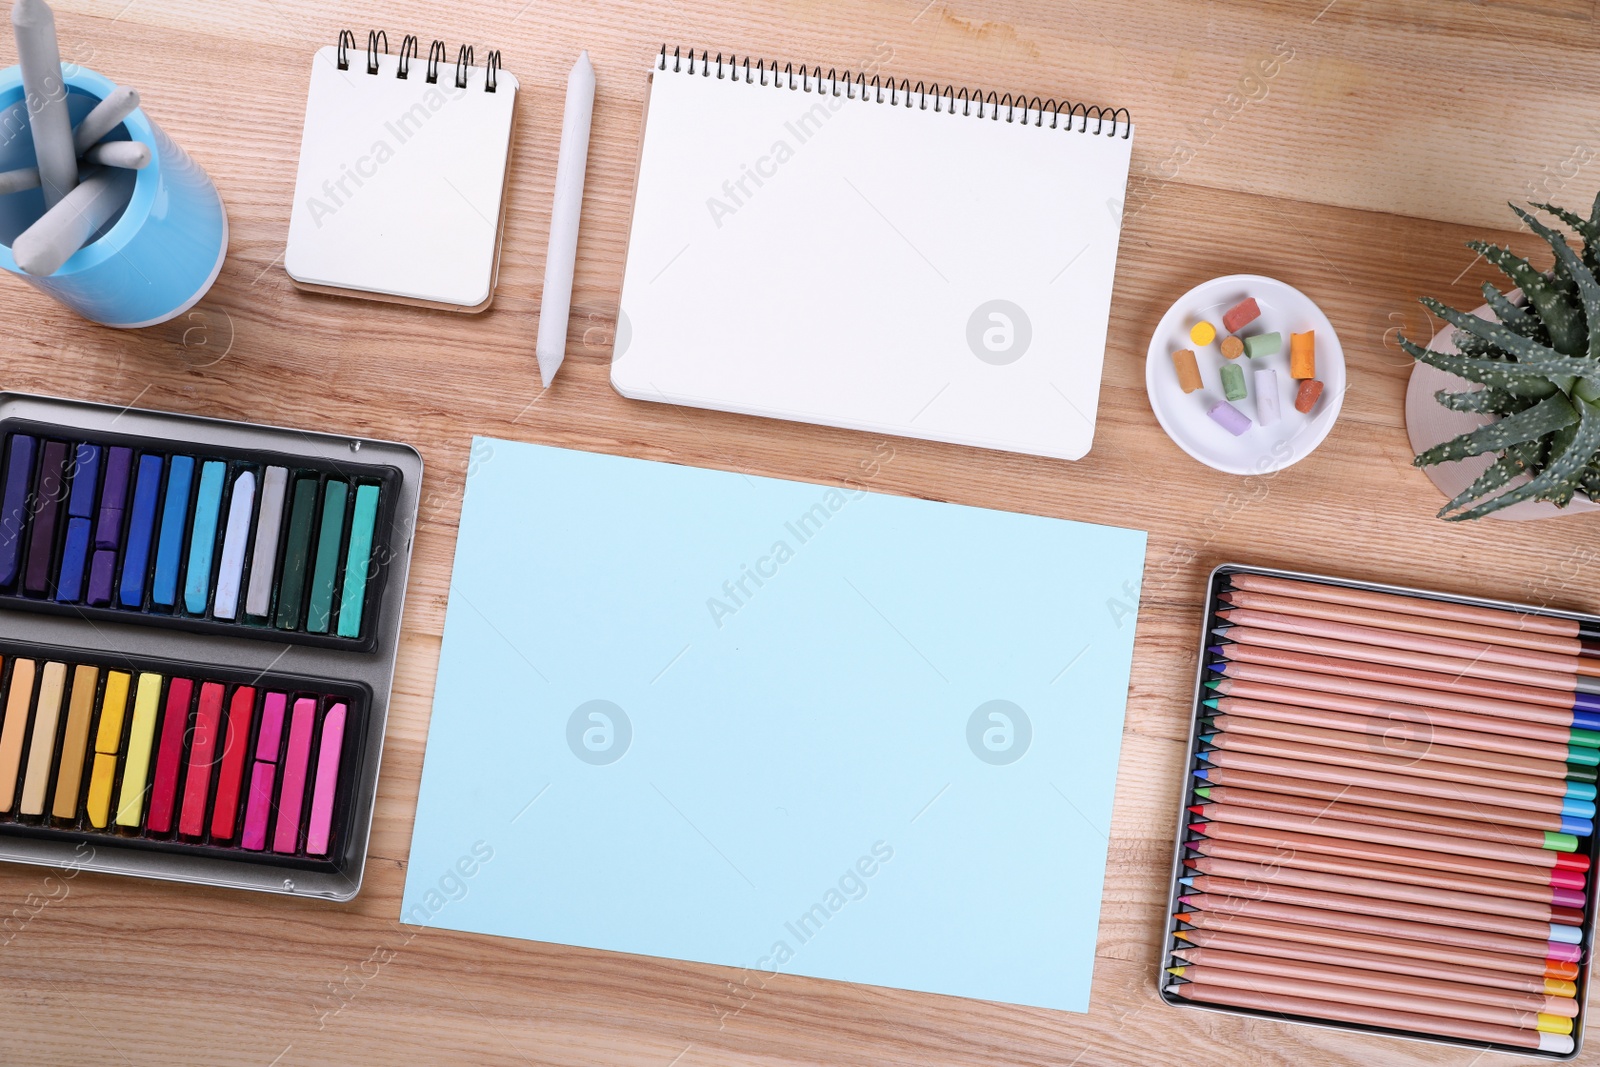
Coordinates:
(46,506)
(302,517)
(14,505)
(169,755)
(102,569)
(319,606)
(113,498)
(85,478)
(141,531)
(174,518)
(74,558)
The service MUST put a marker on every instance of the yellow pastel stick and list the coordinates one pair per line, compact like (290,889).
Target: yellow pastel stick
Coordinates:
(17,705)
(130,807)
(106,742)
(46,716)
(75,743)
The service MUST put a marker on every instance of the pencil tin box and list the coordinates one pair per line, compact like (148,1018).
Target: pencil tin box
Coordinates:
(1397,720)
(198,627)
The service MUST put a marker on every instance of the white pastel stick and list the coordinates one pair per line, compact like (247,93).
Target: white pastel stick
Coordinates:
(61,231)
(104,117)
(263,563)
(226,605)
(15,181)
(1267,403)
(39,55)
(128,155)
(556,305)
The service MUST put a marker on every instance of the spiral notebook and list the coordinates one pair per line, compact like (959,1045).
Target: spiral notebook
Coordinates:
(400,190)
(919,260)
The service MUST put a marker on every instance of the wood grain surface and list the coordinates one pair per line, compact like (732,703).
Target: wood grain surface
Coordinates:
(1347,147)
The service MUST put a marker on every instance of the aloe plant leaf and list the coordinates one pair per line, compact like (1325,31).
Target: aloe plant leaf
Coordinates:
(1563,469)
(1485,401)
(1514,317)
(1588,287)
(1547,416)
(1528,352)
(1500,473)
(1514,378)
(1555,307)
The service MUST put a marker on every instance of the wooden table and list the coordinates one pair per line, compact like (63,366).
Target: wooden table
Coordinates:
(1387,133)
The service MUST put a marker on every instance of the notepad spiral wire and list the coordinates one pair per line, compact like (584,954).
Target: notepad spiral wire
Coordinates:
(1107,121)
(409,50)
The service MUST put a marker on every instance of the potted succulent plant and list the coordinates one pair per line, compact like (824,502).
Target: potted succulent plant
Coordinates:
(1534,356)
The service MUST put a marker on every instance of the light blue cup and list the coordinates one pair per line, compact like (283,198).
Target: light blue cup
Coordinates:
(150,263)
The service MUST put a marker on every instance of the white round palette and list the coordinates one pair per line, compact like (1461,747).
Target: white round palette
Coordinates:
(1260,449)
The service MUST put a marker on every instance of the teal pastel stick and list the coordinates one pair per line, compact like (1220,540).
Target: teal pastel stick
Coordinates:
(174,517)
(203,537)
(357,559)
(319,605)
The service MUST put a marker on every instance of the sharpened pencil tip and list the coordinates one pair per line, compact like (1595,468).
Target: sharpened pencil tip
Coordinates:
(1208,739)
(1196,809)
(1213,702)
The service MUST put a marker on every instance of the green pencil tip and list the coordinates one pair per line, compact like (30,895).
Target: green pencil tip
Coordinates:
(1207,739)
(1213,683)
(1213,702)
(1203,791)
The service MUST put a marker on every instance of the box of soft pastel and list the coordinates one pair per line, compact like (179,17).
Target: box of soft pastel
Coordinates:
(1387,819)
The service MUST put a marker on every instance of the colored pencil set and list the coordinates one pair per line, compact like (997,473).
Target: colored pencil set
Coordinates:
(244,541)
(198,628)
(1390,823)
(159,753)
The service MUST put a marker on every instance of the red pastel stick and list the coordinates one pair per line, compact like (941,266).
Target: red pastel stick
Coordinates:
(169,757)
(327,781)
(225,811)
(197,780)
(291,798)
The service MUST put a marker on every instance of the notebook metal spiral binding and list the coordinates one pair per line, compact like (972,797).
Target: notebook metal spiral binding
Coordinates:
(409,50)
(1107,121)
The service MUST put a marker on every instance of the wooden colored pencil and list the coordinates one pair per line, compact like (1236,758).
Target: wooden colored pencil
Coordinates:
(1388,835)
(1384,972)
(1404,765)
(1467,1030)
(1375,776)
(1450,666)
(1427,607)
(1410,623)
(1441,646)
(1369,996)
(1395,744)
(1403,694)
(1449,826)
(1323,937)
(1302,860)
(1452,807)
(1370,671)
(1406,728)
(1404,929)
(1407,891)
(1354,904)
(1350,848)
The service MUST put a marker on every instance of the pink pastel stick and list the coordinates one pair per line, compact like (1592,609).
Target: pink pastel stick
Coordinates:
(327,781)
(258,808)
(291,798)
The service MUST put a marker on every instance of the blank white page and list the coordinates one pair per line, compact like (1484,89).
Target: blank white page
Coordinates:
(400,182)
(893,269)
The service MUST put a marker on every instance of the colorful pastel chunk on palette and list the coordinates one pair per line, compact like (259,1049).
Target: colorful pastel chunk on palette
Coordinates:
(1307,395)
(1268,405)
(1303,355)
(1202,333)
(1241,315)
(1229,417)
(1188,370)
(1232,347)
(1233,381)
(1261,345)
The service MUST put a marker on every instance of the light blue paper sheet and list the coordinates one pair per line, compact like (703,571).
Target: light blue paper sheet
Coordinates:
(783,727)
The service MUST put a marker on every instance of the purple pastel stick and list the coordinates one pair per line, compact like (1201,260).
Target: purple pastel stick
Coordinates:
(101,570)
(47,501)
(113,495)
(14,505)
(1229,417)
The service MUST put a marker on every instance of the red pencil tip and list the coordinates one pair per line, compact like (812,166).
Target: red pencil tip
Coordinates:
(1226,598)
(1197,809)
(1197,827)
(1191,862)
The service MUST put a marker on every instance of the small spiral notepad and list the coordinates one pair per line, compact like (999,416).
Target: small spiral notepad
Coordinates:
(400,190)
(860,251)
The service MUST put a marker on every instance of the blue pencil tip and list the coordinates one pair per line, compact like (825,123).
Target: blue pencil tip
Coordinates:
(1203,772)
(1215,650)
(1189,882)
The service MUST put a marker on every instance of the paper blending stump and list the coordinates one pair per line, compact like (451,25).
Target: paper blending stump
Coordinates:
(748,722)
